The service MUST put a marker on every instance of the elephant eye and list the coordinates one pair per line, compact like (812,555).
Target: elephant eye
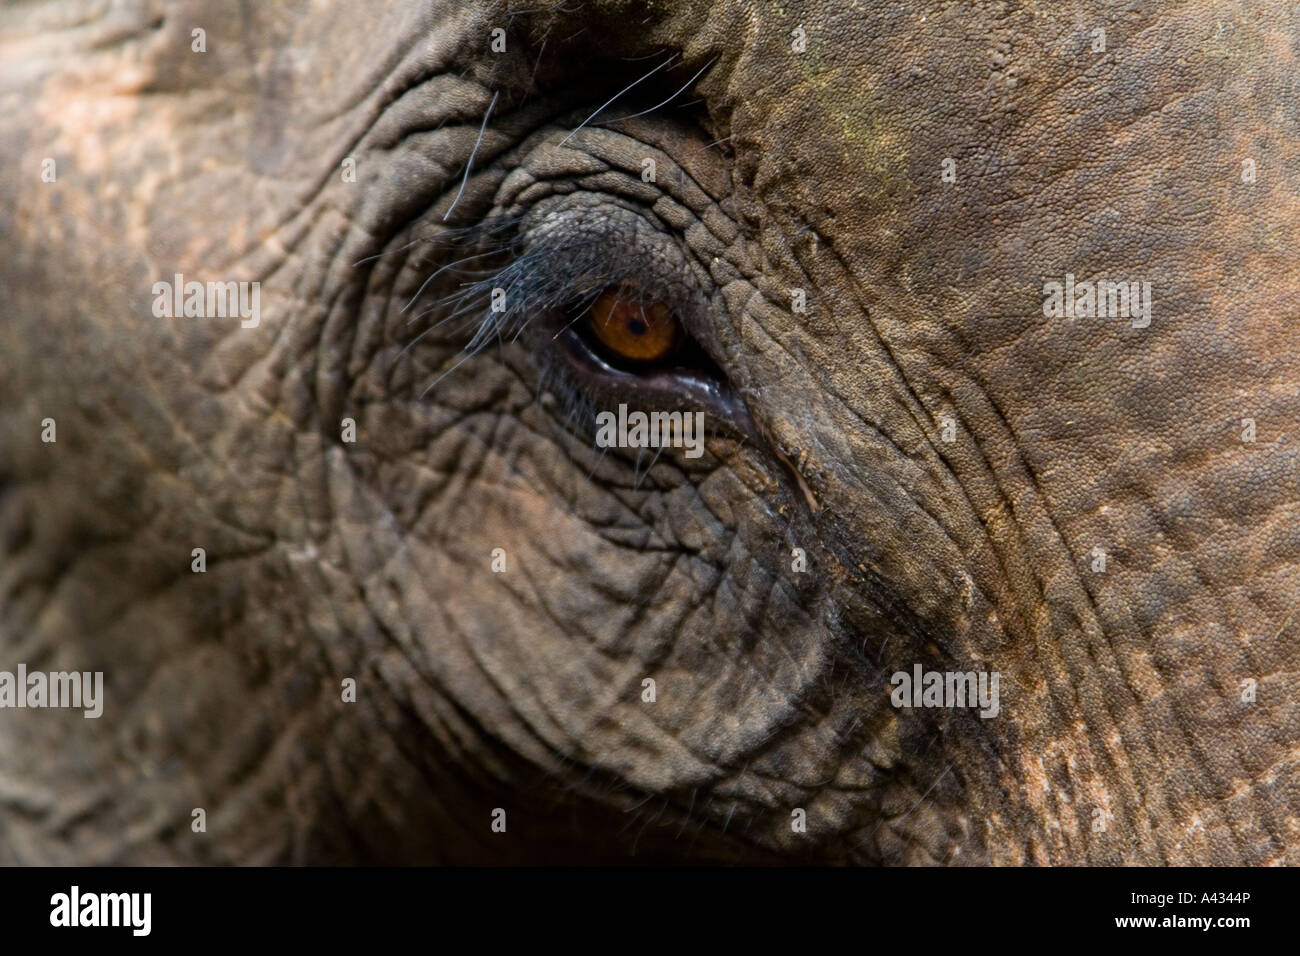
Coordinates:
(622,334)
(620,343)
(629,329)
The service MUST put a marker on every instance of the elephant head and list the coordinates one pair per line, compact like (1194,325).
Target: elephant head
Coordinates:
(967,336)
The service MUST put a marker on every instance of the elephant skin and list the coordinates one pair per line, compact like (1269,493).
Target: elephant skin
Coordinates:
(428,640)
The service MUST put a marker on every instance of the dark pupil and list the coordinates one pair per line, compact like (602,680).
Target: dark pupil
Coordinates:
(636,326)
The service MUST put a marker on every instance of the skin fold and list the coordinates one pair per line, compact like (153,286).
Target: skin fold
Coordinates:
(950,460)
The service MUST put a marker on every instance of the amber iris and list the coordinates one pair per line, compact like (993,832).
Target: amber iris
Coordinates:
(632,329)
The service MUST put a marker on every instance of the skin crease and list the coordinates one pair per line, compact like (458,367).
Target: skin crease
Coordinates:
(816,170)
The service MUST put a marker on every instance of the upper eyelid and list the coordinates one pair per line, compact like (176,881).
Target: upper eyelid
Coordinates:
(582,245)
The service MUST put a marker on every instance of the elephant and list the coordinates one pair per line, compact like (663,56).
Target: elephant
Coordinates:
(688,432)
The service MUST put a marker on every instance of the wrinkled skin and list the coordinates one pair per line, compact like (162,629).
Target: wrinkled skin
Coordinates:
(1121,691)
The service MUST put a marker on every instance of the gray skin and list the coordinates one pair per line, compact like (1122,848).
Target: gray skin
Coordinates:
(1122,736)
